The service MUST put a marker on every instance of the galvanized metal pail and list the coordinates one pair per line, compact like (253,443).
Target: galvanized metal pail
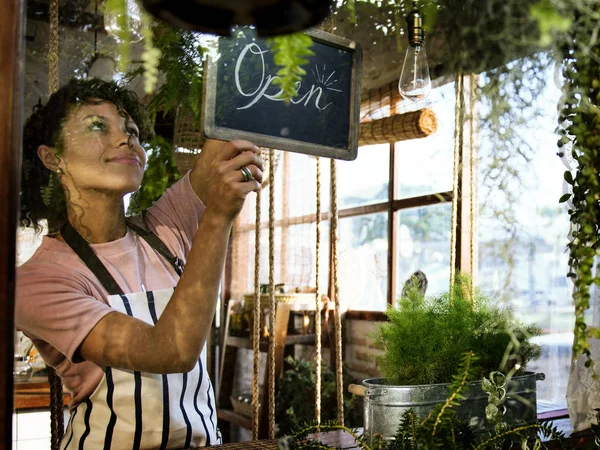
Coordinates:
(384,404)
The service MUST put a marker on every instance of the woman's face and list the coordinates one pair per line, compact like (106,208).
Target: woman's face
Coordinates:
(102,151)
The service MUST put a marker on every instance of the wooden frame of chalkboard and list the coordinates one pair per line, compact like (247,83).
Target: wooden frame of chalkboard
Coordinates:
(323,120)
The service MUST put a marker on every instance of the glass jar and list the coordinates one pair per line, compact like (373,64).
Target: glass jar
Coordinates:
(22,370)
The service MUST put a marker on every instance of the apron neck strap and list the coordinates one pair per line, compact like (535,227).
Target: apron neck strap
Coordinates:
(91,260)
(155,242)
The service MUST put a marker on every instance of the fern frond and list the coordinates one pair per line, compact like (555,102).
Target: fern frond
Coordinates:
(521,431)
(457,386)
(289,54)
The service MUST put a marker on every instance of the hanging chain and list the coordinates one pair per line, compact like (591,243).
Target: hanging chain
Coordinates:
(271,295)
(336,295)
(53,70)
(257,324)
(317,305)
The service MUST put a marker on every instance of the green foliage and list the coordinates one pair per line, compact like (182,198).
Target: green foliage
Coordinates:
(495,386)
(161,172)
(425,338)
(151,55)
(295,396)
(119,9)
(550,20)
(439,430)
(289,53)
(579,122)
(180,60)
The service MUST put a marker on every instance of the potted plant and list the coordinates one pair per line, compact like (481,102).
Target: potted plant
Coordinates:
(442,428)
(424,342)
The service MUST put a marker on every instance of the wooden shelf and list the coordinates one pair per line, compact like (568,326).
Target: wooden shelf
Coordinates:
(229,415)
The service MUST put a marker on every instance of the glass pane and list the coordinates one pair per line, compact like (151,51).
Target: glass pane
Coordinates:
(371,167)
(523,233)
(423,243)
(362,262)
(299,270)
(246,265)
(301,178)
(424,166)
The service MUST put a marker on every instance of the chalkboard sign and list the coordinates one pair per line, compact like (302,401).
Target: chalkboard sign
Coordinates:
(241,101)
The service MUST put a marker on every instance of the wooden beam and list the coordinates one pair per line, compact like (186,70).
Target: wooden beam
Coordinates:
(12,22)
(412,202)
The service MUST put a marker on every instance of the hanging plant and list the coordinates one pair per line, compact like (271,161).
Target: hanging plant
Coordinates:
(289,54)
(161,172)
(579,125)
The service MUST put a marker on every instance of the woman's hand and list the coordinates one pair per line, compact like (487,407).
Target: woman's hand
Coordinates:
(217,177)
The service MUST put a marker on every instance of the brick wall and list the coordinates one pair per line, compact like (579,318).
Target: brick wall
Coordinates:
(361,350)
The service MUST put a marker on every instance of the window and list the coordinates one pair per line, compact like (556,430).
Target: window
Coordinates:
(522,251)
(416,216)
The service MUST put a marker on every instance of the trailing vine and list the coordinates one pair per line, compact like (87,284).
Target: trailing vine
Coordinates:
(151,55)
(289,54)
(579,125)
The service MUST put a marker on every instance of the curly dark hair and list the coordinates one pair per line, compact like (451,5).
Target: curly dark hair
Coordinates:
(42,196)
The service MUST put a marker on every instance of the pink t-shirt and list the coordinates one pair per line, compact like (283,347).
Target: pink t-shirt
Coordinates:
(59,300)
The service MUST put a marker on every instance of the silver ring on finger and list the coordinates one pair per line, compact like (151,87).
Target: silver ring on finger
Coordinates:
(246,173)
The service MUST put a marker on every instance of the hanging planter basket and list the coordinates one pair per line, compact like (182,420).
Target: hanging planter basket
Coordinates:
(270,17)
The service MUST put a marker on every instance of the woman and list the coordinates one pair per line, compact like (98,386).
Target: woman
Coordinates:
(97,298)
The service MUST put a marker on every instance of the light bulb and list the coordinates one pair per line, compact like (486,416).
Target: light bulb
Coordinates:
(415,83)
(124,27)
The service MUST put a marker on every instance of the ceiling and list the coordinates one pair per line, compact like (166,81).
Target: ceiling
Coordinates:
(383,52)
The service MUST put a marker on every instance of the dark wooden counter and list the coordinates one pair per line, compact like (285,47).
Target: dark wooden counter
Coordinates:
(341,439)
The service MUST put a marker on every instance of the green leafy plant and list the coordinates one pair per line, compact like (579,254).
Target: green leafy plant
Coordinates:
(425,338)
(181,63)
(579,122)
(289,53)
(161,172)
(295,396)
(495,386)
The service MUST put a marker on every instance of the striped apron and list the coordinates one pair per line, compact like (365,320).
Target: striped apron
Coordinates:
(138,410)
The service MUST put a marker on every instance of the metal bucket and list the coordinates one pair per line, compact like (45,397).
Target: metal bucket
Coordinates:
(385,404)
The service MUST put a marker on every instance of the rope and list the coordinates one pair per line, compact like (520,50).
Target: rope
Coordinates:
(57,425)
(257,323)
(336,295)
(458,141)
(317,308)
(271,296)
(53,74)
(472,168)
